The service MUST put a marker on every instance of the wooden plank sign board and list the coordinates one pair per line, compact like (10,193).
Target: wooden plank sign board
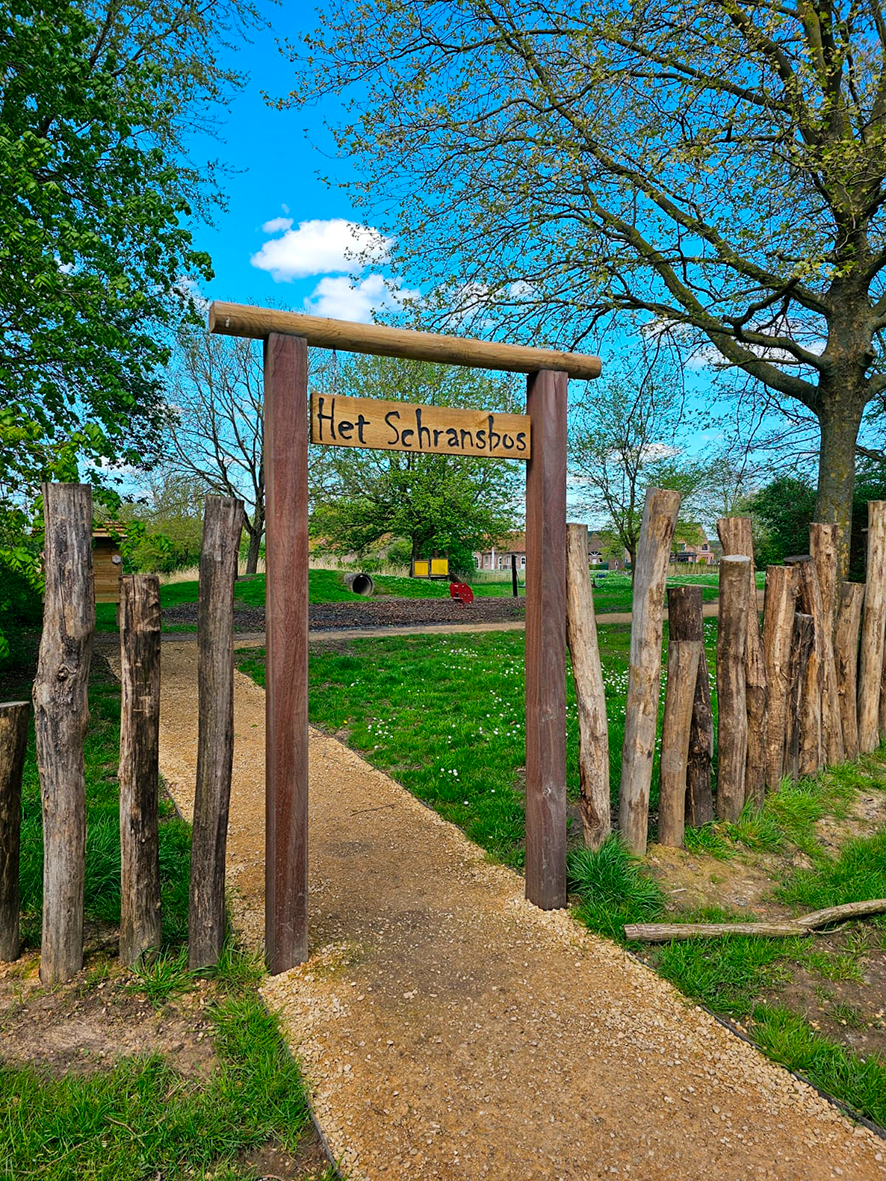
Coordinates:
(401,426)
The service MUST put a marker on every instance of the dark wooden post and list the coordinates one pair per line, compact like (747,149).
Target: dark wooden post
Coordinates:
(222,523)
(686,622)
(778,629)
(823,550)
(683,658)
(873,635)
(546,641)
(732,715)
(286,769)
(61,713)
(846,659)
(14,717)
(139,614)
(514,575)
(590,694)
(644,677)
(801,648)
(809,603)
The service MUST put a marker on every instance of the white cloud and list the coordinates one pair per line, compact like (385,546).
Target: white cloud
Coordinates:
(276,224)
(320,247)
(342,299)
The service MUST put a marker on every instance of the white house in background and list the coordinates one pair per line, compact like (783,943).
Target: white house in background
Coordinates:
(514,546)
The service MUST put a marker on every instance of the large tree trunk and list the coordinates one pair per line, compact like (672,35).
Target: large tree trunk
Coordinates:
(839,418)
(255,535)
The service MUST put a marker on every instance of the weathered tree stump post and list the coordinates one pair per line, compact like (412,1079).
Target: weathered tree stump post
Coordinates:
(809,603)
(644,678)
(14,717)
(61,713)
(683,658)
(780,605)
(732,714)
(215,728)
(801,648)
(873,637)
(590,696)
(737,539)
(823,549)
(139,615)
(846,633)
(686,622)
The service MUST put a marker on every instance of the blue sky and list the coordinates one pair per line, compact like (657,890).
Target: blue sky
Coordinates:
(299,259)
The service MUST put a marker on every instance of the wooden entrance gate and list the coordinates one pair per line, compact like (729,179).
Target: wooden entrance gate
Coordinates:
(286,337)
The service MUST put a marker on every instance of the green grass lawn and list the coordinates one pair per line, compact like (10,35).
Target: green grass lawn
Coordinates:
(613,592)
(141,1118)
(444,716)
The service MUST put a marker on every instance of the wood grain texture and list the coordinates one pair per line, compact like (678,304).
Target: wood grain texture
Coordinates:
(546,642)
(14,718)
(812,745)
(233,319)
(779,607)
(823,541)
(736,537)
(590,694)
(873,636)
(732,715)
(61,714)
(286,545)
(846,635)
(222,524)
(644,675)
(683,658)
(340,421)
(667,932)
(686,622)
(140,919)
(801,649)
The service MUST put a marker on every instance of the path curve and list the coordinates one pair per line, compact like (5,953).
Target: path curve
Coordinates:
(449,1030)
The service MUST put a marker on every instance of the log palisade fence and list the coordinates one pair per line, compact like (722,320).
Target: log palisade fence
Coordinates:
(61,715)
(798,694)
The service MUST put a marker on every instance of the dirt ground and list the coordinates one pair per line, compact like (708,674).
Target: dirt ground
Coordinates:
(450,1030)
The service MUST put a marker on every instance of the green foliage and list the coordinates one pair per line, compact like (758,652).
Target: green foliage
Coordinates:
(614,889)
(445,503)
(857,874)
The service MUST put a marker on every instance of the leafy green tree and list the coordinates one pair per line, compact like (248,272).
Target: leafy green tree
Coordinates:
(95,202)
(714,168)
(622,442)
(444,503)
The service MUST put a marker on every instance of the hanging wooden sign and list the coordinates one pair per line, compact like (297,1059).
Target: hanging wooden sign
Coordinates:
(342,421)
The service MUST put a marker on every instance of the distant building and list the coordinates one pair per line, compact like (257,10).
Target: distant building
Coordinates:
(514,546)
(699,553)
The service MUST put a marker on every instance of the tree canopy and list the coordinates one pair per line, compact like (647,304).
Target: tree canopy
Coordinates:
(448,504)
(713,167)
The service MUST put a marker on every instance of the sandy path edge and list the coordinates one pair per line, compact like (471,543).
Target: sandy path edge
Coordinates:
(450,1030)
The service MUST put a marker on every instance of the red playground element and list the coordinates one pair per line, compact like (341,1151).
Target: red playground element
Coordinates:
(462,592)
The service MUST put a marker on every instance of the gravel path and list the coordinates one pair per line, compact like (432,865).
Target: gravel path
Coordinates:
(450,1030)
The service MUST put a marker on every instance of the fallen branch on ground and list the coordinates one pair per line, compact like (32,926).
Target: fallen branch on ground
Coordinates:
(807,924)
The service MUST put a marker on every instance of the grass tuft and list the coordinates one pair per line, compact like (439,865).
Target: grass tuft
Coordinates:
(614,889)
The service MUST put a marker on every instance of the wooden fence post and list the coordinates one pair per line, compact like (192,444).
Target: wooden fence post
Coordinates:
(778,629)
(823,549)
(590,696)
(801,648)
(644,678)
(872,630)
(846,660)
(222,523)
(514,592)
(61,713)
(140,920)
(14,716)
(686,622)
(286,702)
(683,658)
(732,714)
(737,538)
(546,394)
(809,603)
